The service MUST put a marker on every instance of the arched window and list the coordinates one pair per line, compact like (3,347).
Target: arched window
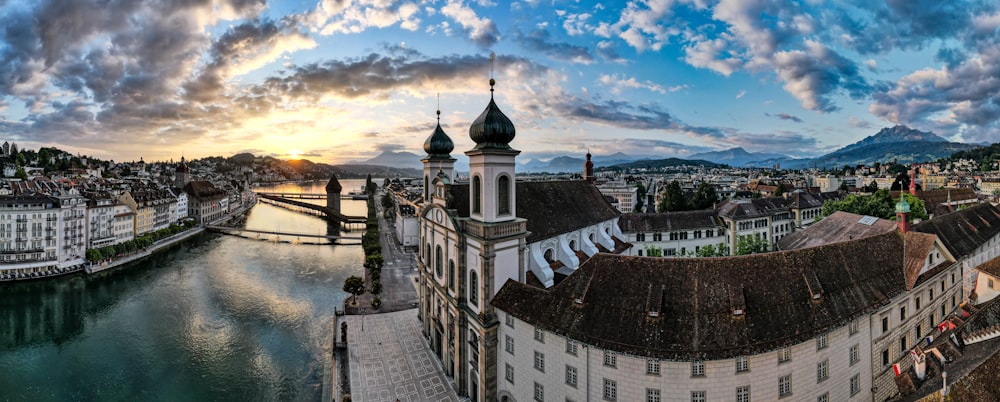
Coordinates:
(437,262)
(503,195)
(451,274)
(427,256)
(591,237)
(473,288)
(477,195)
(427,188)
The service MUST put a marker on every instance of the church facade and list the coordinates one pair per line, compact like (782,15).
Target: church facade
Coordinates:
(475,236)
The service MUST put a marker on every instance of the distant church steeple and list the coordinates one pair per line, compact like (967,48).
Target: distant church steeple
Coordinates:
(588,169)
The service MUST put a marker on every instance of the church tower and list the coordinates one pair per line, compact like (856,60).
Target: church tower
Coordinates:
(438,161)
(588,169)
(182,175)
(491,166)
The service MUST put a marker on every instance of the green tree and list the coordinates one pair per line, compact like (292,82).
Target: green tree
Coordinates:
(704,196)
(653,251)
(93,255)
(374,262)
(21,174)
(781,190)
(719,250)
(672,198)
(871,187)
(751,244)
(918,209)
(355,286)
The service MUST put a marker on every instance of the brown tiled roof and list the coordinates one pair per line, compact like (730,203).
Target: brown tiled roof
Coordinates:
(991,267)
(752,208)
(941,195)
(607,301)
(838,227)
(918,245)
(965,230)
(801,199)
(668,221)
(551,208)
(202,189)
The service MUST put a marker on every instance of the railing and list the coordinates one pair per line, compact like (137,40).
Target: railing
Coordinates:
(495,230)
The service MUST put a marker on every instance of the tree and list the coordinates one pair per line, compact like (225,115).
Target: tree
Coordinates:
(871,187)
(719,250)
(778,192)
(672,198)
(640,197)
(653,251)
(355,286)
(751,244)
(918,210)
(21,174)
(704,196)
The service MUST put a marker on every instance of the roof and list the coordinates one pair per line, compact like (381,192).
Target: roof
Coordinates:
(668,221)
(551,208)
(202,189)
(695,299)
(801,199)
(942,195)
(918,245)
(333,186)
(838,227)
(991,267)
(751,208)
(963,231)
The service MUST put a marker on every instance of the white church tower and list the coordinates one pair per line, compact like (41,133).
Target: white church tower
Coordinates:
(438,161)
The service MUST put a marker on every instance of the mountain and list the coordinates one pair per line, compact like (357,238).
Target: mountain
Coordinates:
(401,160)
(736,157)
(659,164)
(899,143)
(569,164)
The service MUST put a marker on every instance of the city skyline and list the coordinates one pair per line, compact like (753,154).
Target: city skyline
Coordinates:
(340,81)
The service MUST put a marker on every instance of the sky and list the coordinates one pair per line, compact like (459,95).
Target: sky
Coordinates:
(338,81)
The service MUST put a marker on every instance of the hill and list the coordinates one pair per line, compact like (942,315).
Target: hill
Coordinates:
(660,164)
(900,143)
(737,157)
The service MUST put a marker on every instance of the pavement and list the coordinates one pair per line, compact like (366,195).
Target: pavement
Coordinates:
(388,357)
(390,360)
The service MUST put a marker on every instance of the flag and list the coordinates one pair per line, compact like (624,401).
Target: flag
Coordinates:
(896,369)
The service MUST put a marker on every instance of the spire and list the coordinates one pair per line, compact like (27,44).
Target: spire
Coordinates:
(588,168)
(492,129)
(439,145)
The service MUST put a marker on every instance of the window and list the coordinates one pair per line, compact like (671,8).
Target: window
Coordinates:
(473,288)
(743,393)
(785,385)
(742,364)
(571,376)
(697,368)
(822,371)
(853,327)
(902,343)
(539,392)
(902,313)
(885,324)
(989,282)
(540,361)
(698,396)
(821,342)
(931,295)
(610,359)
(855,355)
(885,357)
(652,395)
(509,370)
(917,303)
(437,262)
(610,390)
(509,344)
(571,347)
(823,398)
(503,195)
(855,384)
(539,335)
(784,355)
(477,195)
(510,320)
(640,237)
(653,367)
(451,274)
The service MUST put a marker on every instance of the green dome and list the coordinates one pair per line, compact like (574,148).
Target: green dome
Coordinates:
(492,129)
(902,207)
(439,145)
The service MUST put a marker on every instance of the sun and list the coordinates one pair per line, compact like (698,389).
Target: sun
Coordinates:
(295,154)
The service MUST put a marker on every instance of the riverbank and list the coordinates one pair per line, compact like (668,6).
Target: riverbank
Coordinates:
(170,241)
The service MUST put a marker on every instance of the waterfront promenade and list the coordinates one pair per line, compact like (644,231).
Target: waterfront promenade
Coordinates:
(386,356)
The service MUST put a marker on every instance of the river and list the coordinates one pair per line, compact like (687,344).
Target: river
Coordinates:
(216,318)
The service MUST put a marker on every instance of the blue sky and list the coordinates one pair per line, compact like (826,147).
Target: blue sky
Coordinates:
(338,81)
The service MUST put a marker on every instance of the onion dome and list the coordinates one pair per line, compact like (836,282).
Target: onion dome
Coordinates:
(902,207)
(439,145)
(492,129)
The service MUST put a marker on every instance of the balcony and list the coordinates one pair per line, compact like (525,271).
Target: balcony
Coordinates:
(496,230)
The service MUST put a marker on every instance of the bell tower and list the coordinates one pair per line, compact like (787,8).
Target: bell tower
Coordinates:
(491,166)
(438,160)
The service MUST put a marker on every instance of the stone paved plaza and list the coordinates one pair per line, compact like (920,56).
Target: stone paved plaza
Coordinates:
(389,360)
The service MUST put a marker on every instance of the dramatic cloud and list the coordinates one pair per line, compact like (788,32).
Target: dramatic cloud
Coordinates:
(346,17)
(481,31)
(539,40)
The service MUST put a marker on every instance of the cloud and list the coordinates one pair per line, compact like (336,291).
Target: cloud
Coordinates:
(643,25)
(539,40)
(346,17)
(607,51)
(813,75)
(713,55)
(784,116)
(860,123)
(481,31)
(741,93)
(617,82)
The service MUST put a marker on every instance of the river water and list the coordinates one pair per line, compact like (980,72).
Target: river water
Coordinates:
(216,318)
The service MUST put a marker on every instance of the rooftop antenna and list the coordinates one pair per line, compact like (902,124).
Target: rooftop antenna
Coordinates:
(493,82)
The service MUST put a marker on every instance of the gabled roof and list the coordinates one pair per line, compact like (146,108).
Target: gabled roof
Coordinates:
(607,302)
(202,189)
(752,208)
(991,267)
(802,199)
(838,227)
(668,221)
(918,246)
(551,208)
(963,231)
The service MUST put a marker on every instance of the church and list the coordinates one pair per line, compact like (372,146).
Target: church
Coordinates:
(475,236)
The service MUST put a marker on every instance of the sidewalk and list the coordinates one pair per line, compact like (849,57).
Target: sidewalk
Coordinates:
(390,360)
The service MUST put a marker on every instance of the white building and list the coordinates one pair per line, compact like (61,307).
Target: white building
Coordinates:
(673,234)
(29,226)
(71,234)
(624,193)
(477,235)
(124,223)
(100,220)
